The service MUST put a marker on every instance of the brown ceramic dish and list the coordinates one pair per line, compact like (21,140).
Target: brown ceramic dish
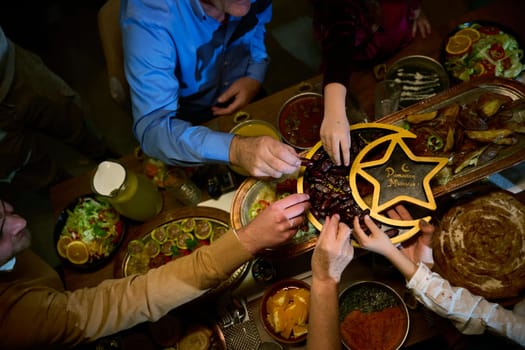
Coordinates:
(292,285)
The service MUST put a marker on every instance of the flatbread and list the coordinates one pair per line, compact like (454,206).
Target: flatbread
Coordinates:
(480,245)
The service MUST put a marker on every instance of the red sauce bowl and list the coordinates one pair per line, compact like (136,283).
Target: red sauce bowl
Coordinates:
(300,119)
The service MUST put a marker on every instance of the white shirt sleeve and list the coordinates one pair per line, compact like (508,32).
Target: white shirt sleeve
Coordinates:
(471,314)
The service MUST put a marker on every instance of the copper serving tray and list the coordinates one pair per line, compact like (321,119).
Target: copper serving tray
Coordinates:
(463,93)
(212,214)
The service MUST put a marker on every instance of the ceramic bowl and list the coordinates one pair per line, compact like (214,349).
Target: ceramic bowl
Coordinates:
(370,308)
(288,297)
(300,119)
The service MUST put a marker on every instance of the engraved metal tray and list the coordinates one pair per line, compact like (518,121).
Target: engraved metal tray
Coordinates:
(465,93)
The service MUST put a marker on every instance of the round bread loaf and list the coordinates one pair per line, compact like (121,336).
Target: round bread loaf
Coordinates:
(480,245)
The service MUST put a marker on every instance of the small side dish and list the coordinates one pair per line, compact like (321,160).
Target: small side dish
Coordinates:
(300,120)
(372,316)
(284,310)
(88,232)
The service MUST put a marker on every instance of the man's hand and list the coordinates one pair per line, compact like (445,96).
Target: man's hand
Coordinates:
(276,224)
(241,92)
(263,156)
(333,251)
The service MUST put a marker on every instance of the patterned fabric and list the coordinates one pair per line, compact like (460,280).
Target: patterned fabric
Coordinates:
(357,33)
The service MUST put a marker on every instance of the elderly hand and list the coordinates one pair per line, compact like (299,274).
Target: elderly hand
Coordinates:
(241,92)
(276,224)
(263,156)
(333,251)
(335,129)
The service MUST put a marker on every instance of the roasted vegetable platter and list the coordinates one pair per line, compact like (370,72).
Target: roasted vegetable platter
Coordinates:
(477,125)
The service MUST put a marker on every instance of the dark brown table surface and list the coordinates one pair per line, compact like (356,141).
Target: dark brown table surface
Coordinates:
(506,12)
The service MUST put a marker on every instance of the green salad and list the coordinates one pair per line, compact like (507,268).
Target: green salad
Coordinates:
(494,53)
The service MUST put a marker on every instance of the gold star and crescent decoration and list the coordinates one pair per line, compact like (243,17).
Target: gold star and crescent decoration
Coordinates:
(398,176)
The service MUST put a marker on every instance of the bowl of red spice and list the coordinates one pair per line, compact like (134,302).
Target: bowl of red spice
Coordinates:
(372,315)
(300,119)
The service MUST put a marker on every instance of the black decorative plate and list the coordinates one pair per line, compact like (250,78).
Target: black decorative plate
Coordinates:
(497,53)
(88,225)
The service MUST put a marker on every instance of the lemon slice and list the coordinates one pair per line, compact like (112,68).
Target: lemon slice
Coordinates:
(182,239)
(165,247)
(62,245)
(217,232)
(152,248)
(202,229)
(187,225)
(159,234)
(135,247)
(77,252)
(173,230)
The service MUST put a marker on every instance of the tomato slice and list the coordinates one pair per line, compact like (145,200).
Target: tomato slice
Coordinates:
(496,51)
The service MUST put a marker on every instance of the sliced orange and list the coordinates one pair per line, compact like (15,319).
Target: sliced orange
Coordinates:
(458,44)
(472,33)
(77,252)
(62,245)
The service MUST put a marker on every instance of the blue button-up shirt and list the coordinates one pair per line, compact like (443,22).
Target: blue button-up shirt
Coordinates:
(178,60)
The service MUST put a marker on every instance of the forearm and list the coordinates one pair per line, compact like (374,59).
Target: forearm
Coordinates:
(119,304)
(334,98)
(323,323)
(471,314)
(174,141)
(401,262)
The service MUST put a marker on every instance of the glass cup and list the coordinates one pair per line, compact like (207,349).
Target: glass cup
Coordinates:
(132,195)
(387,96)
(182,188)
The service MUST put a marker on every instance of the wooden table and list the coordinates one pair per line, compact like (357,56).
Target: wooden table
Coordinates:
(506,12)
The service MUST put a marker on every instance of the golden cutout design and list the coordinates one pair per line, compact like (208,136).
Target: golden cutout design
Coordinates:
(397,168)
(399,176)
